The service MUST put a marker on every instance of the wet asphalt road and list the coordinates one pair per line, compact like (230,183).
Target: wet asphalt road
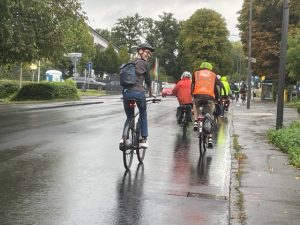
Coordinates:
(63,166)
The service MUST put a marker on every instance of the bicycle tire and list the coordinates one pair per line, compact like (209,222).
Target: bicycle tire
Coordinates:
(202,143)
(140,152)
(205,142)
(184,123)
(128,150)
(201,150)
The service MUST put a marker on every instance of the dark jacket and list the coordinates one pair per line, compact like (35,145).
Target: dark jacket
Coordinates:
(142,71)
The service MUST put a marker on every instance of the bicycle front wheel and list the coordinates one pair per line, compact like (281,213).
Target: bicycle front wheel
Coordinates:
(128,151)
(141,152)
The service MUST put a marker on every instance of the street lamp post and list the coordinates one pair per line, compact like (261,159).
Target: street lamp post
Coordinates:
(249,56)
(283,49)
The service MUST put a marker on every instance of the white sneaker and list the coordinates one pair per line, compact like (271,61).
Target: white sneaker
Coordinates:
(195,126)
(144,144)
(210,142)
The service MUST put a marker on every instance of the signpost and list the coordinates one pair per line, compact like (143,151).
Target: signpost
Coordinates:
(75,57)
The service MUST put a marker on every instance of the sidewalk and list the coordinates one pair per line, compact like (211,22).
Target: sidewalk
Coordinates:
(269,188)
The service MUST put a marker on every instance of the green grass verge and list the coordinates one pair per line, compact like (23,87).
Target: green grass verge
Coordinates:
(90,92)
(287,140)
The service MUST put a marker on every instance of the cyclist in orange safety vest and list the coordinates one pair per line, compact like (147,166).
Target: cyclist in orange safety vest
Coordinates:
(204,91)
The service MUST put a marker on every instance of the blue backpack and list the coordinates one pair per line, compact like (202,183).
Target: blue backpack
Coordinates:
(128,75)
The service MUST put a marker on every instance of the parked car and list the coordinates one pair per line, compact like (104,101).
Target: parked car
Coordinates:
(82,82)
(167,90)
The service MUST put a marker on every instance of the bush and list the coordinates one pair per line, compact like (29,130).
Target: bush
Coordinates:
(47,91)
(296,105)
(8,88)
(287,140)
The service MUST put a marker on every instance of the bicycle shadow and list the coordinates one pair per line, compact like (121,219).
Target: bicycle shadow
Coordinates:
(203,168)
(181,162)
(130,189)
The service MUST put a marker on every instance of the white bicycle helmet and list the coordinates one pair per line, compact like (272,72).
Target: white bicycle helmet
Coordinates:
(186,74)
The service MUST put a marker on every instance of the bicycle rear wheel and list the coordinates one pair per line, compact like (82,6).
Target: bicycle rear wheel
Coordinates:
(202,143)
(141,152)
(184,123)
(128,151)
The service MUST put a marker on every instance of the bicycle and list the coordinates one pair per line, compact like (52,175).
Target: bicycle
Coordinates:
(203,140)
(203,130)
(132,135)
(185,112)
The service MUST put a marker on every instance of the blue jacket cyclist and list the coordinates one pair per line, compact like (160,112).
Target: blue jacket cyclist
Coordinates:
(137,92)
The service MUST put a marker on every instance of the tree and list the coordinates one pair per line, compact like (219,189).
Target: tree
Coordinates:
(203,37)
(104,33)
(35,29)
(123,56)
(293,56)
(106,61)
(166,34)
(77,38)
(266,33)
(128,32)
(238,72)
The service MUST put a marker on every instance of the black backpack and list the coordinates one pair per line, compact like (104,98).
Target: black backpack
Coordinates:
(128,75)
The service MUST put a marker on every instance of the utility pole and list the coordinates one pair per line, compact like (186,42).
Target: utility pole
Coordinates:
(283,49)
(249,56)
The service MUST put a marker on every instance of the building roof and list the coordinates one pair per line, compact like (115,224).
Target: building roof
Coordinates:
(101,41)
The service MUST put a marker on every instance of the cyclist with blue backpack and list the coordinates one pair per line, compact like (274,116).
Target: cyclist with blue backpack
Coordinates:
(137,90)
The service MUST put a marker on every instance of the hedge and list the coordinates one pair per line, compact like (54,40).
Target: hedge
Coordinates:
(8,88)
(47,91)
(287,140)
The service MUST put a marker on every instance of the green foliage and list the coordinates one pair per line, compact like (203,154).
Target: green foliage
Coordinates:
(106,60)
(35,29)
(8,88)
(296,105)
(203,37)
(293,55)
(128,32)
(166,34)
(266,33)
(78,39)
(287,140)
(238,62)
(47,91)
(123,55)
(70,82)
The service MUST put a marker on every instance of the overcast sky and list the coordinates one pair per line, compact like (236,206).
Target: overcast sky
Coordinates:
(104,13)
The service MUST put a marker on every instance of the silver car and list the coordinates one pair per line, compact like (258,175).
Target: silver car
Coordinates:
(85,83)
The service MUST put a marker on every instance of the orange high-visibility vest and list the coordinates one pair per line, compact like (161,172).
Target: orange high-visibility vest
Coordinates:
(204,82)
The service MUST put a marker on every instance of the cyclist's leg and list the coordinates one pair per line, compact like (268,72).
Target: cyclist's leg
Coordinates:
(128,111)
(196,111)
(209,108)
(196,108)
(141,104)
